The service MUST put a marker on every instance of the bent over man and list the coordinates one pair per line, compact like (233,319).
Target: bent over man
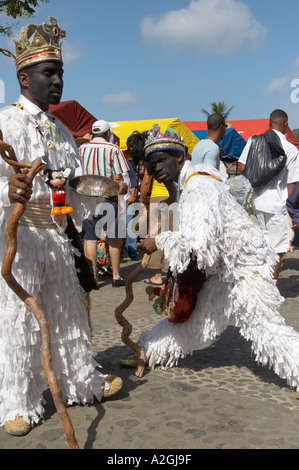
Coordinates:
(231,250)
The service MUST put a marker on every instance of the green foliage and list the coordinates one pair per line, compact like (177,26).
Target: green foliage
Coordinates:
(296,132)
(17,9)
(220,108)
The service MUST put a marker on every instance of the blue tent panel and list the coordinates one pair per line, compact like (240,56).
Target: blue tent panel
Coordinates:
(232,142)
(200,134)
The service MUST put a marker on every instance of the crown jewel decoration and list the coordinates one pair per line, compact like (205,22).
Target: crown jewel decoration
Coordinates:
(163,139)
(38,43)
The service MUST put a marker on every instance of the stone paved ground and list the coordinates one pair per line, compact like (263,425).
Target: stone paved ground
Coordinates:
(217,399)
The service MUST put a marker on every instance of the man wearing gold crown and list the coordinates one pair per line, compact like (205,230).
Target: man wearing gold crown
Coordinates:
(44,263)
(235,258)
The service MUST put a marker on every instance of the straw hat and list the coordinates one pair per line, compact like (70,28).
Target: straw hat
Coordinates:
(83,140)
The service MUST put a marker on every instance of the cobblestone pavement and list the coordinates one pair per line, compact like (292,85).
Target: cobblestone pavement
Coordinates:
(219,398)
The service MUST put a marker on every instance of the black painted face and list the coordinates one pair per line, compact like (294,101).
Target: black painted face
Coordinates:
(45,83)
(163,166)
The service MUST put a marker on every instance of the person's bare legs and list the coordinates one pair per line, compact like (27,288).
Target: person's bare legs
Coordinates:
(90,251)
(156,264)
(278,266)
(115,255)
(156,278)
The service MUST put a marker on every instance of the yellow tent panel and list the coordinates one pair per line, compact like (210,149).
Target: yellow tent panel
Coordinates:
(123,129)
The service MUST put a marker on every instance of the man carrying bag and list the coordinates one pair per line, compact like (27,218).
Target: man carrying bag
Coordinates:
(271,164)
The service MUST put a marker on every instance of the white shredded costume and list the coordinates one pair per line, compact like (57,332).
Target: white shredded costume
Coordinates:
(239,290)
(44,266)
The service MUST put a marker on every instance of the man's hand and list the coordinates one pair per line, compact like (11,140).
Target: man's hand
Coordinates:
(148,245)
(123,187)
(241,168)
(20,187)
(132,197)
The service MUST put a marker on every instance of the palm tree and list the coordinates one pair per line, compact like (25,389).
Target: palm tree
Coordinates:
(219,108)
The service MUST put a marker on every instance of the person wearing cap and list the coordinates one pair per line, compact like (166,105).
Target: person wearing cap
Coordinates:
(233,254)
(44,263)
(102,157)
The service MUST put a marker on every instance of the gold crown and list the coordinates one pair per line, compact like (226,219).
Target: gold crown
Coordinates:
(45,44)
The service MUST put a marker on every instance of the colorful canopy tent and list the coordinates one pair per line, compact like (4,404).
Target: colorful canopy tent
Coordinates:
(246,128)
(76,118)
(123,129)
(232,143)
(250,127)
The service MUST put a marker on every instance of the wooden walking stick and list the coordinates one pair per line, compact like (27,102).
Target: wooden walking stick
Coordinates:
(127,327)
(40,316)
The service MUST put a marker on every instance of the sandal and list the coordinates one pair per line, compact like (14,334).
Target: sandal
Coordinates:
(149,281)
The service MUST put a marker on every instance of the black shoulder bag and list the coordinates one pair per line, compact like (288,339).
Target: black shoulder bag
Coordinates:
(266,158)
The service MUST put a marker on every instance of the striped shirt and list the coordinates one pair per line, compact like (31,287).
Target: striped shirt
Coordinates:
(102,158)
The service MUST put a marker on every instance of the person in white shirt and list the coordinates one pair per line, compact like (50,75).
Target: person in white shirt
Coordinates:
(270,200)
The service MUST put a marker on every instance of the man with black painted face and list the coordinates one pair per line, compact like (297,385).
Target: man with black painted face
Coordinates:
(216,232)
(42,83)
(165,168)
(44,264)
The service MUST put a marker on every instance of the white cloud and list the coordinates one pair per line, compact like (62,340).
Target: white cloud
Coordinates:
(71,52)
(124,99)
(278,85)
(220,26)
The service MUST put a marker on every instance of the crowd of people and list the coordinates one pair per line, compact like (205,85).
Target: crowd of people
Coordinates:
(238,258)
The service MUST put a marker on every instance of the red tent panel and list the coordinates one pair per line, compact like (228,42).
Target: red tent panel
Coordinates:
(246,128)
(76,118)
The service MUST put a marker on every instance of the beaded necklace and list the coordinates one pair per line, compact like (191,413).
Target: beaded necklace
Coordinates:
(200,173)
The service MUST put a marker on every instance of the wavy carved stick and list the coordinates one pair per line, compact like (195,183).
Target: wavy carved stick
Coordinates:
(11,249)
(127,327)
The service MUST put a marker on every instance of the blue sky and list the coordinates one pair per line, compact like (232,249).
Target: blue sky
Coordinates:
(137,59)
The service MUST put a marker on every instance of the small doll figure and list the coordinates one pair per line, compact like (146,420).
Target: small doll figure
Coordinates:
(56,180)
(153,292)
